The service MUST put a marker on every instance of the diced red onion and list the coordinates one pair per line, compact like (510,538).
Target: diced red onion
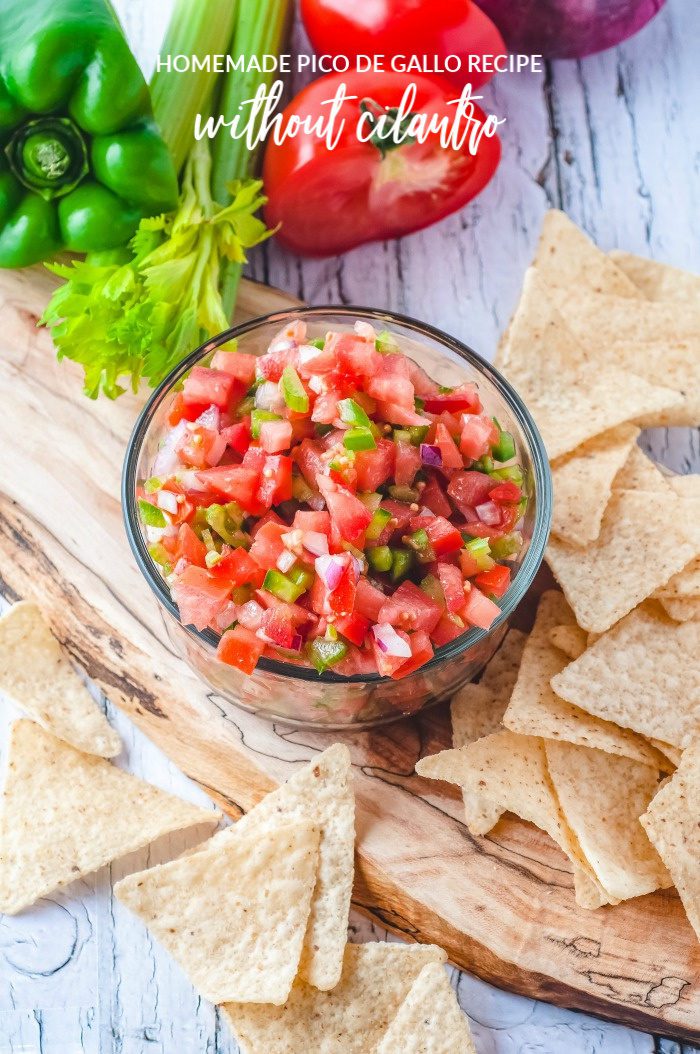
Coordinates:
(489,513)
(330,570)
(425,511)
(366,331)
(267,397)
(431,454)
(226,616)
(316,384)
(316,502)
(356,567)
(315,542)
(250,614)
(180,566)
(190,481)
(297,641)
(154,534)
(389,641)
(281,344)
(211,418)
(167,501)
(286,560)
(166,460)
(216,451)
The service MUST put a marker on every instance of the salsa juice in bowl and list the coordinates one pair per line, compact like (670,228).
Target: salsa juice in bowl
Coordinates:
(338,509)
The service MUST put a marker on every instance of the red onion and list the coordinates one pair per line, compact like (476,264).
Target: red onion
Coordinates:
(330,570)
(568,29)
(180,566)
(166,460)
(489,513)
(316,543)
(389,641)
(297,641)
(226,616)
(431,454)
(190,481)
(357,567)
(167,501)
(211,418)
(267,397)
(250,614)
(316,502)
(365,330)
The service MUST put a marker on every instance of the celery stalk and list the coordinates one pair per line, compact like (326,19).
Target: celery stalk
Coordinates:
(195,28)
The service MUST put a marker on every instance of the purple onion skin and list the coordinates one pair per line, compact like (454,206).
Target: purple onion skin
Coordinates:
(568,29)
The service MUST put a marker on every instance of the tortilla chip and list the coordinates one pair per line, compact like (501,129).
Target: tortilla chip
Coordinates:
(567,257)
(644,674)
(672,823)
(320,792)
(476,712)
(535,709)
(656,280)
(639,472)
(351,1019)
(671,363)
(501,673)
(429,1020)
(642,543)
(683,586)
(583,483)
(65,814)
(234,914)
(600,319)
(569,401)
(672,754)
(602,798)
(569,639)
(685,610)
(37,674)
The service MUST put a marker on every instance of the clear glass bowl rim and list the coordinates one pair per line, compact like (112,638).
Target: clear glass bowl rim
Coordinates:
(543,482)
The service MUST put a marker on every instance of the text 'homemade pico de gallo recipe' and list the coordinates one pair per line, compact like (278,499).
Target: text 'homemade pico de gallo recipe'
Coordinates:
(328,504)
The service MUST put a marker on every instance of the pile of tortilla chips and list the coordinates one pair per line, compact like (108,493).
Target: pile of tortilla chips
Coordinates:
(256,916)
(590,726)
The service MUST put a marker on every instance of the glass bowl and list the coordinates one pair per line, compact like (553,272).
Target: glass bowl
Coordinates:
(297,695)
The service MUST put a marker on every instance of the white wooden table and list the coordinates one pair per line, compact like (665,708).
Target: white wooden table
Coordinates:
(615,140)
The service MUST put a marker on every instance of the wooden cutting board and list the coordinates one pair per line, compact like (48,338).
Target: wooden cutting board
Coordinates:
(502,906)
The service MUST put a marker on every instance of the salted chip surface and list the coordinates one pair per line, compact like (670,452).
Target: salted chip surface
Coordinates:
(569,639)
(656,280)
(570,402)
(671,363)
(672,754)
(35,671)
(672,822)
(234,914)
(429,1020)
(476,712)
(65,814)
(320,792)
(640,473)
(501,672)
(642,543)
(566,256)
(602,797)
(350,1019)
(583,483)
(536,710)
(600,319)
(682,610)
(643,674)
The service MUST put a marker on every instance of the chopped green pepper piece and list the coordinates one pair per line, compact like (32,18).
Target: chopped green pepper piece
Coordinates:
(331,632)
(281,586)
(323,430)
(401,563)
(445,389)
(257,417)
(485,464)
(351,413)
(371,500)
(504,449)
(226,521)
(152,484)
(403,493)
(324,653)
(161,556)
(480,550)
(402,435)
(208,539)
(246,406)
(301,491)
(512,473)
(419,404)
(508,545)
(151,515)
(432,588)
(319,343)
(418,433)
(293,391)
(379,521)
(301,576)
(241,594)
(385,342)
(380,558)
(359,439)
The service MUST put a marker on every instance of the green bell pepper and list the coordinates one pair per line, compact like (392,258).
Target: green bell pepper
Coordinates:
(81,160)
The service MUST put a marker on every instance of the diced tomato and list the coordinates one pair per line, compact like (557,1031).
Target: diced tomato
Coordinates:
(241,648)
(348,513)
(355,355)
(410,608)
(279,626)
(267,544)
(401,515)
(189,547)
(353,626)
(271,365)
(452,586)
(509,518)
(269,516)
(316,360)
(468,564)
(239,365)
(468,489)
(408,463)
(434,498)
(255,458)
(199,596)
(211,387)
(506,492)
(479,434)
(451,457)
(275,436)
(464,399)
(182,411)
(237,436)
(423,385)
(393,389)
(495,581)
(421,521)
(446,630)
(200,447)
(387,665)
(399,415)
(238,567)
(478,610)
(185,502)
(307,520)
(235,482)
(374,467)
(275,481)
(309,457)
(395,365)
(443,535)
(325,409)
(368,600)
(421,652)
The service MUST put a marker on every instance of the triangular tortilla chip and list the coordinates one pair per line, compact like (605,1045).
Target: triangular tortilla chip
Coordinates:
(351,1019)
(643,674)
(569,401)
(583,482)
(36,673)
(429,1020)
(566,256)
(320,792)
(600,319)
(65,814)
(602,798)
(672,822)
(639,472)
(476,712)
(656,280)
(672,754)
(234,914)
(535,709)
(512,770)
(642,543)
(501,672)
(670,363)
(684,610)
(569,639)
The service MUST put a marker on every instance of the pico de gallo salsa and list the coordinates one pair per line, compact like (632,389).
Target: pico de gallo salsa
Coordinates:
(328,504)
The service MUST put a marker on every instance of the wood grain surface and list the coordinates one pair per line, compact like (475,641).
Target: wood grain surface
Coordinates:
(502,906)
